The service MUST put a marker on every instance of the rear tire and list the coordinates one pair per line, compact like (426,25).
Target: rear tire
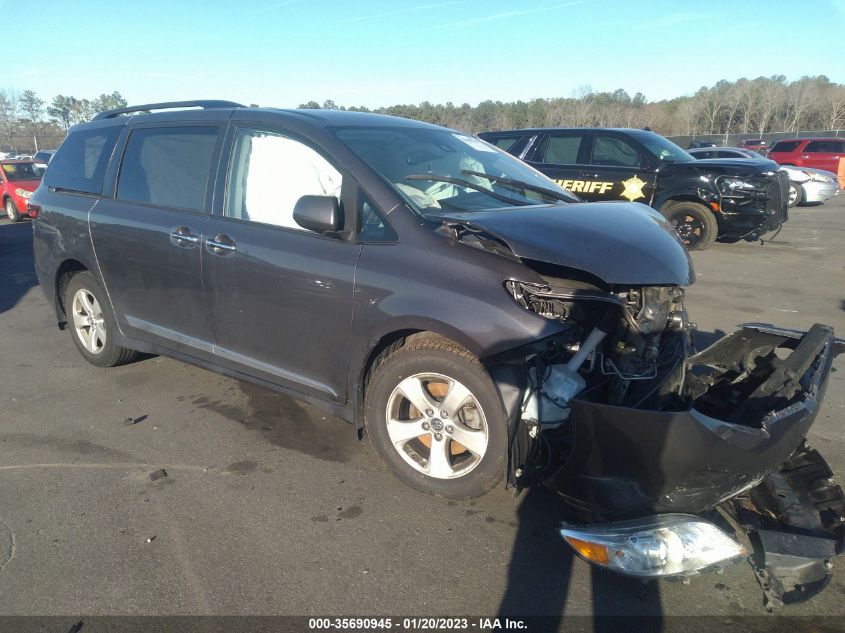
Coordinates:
(92,324)
(694,223)
(12,211)
(457,403)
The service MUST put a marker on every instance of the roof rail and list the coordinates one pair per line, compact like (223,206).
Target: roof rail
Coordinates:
(205,103)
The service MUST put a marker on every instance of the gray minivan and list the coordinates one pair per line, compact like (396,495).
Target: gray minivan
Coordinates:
(473,317)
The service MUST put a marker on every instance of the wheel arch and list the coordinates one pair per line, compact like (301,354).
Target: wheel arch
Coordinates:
(381,349)
(682,197)
(64,273)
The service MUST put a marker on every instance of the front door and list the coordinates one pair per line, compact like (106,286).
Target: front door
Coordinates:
(148,237)
(279,296)
(622,167)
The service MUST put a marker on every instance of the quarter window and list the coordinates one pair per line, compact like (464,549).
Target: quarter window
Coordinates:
(80,163)
(505,142)
(168,166)
(270,172)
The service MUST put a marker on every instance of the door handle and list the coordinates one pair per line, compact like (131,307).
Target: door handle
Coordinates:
(182,236)
(221,244)
(587,174)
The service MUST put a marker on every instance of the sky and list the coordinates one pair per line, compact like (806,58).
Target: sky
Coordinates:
(375,53)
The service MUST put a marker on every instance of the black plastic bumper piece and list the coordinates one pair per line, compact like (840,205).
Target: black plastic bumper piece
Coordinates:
(796,522)
(626,462)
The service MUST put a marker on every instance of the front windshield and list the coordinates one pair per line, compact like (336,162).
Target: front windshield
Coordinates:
(23,171)
(443,170)
(665,150)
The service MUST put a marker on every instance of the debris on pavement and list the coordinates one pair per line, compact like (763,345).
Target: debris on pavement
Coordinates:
(158,474)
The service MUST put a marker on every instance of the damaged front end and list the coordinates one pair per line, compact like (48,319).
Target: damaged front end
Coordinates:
(674,462)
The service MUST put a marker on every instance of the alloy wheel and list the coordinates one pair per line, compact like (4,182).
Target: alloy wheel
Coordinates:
(88,321)
(437,425)
(688,228)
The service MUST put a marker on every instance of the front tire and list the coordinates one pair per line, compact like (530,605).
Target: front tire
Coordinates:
(91,323)
(694,223)
(12,211)
(796,195)
(435,418)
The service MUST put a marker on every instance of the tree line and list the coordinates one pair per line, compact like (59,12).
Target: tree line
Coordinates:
(28,123)
(745,106)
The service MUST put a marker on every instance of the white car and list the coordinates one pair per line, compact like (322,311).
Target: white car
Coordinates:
(810,186)
(806,185)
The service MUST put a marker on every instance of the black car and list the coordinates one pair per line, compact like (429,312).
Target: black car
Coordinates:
(450,301)
(731,199)
(699,143)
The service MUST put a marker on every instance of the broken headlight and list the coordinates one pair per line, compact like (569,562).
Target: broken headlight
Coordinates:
(731,186)
(664,545)
(537,298)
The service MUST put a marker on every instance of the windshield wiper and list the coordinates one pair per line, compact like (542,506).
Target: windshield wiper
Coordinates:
(469,185)
(519,184)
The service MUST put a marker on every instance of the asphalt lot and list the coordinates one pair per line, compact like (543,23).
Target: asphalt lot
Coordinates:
(272,507)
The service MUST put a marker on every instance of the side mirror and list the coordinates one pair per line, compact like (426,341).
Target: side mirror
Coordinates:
(320,214)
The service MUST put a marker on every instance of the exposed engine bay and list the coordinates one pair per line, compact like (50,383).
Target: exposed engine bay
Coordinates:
(640,434)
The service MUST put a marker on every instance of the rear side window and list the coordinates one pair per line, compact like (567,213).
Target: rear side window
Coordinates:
(80,164)
(560,150)
(505,142)
(168,166)
(785,146)
(825,146)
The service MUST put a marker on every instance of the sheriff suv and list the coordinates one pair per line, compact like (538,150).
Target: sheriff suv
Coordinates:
(705,199)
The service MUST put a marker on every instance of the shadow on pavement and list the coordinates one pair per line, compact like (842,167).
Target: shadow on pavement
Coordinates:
(540,574)
(17,268)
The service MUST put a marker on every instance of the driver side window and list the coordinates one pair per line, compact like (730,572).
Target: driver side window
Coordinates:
(614,152)
(270,172)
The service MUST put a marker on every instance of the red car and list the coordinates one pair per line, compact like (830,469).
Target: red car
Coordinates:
(820,153)
(18,179)
(756,144)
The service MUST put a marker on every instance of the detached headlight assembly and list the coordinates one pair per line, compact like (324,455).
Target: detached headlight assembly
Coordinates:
(23,193)
(660,546)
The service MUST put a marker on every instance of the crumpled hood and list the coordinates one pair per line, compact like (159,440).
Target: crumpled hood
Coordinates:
(624,243)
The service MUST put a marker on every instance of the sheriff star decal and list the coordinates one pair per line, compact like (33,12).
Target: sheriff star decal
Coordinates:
(633,188)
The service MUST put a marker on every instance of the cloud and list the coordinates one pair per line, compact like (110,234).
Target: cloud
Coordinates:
(421,7)
(504,15)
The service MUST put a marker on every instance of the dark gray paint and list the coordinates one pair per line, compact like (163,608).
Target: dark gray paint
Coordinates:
(304,313)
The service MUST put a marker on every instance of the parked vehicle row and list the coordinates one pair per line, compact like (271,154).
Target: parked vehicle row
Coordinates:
(470,314)
(729,199)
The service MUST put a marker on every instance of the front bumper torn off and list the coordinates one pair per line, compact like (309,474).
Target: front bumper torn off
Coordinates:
(736,459)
